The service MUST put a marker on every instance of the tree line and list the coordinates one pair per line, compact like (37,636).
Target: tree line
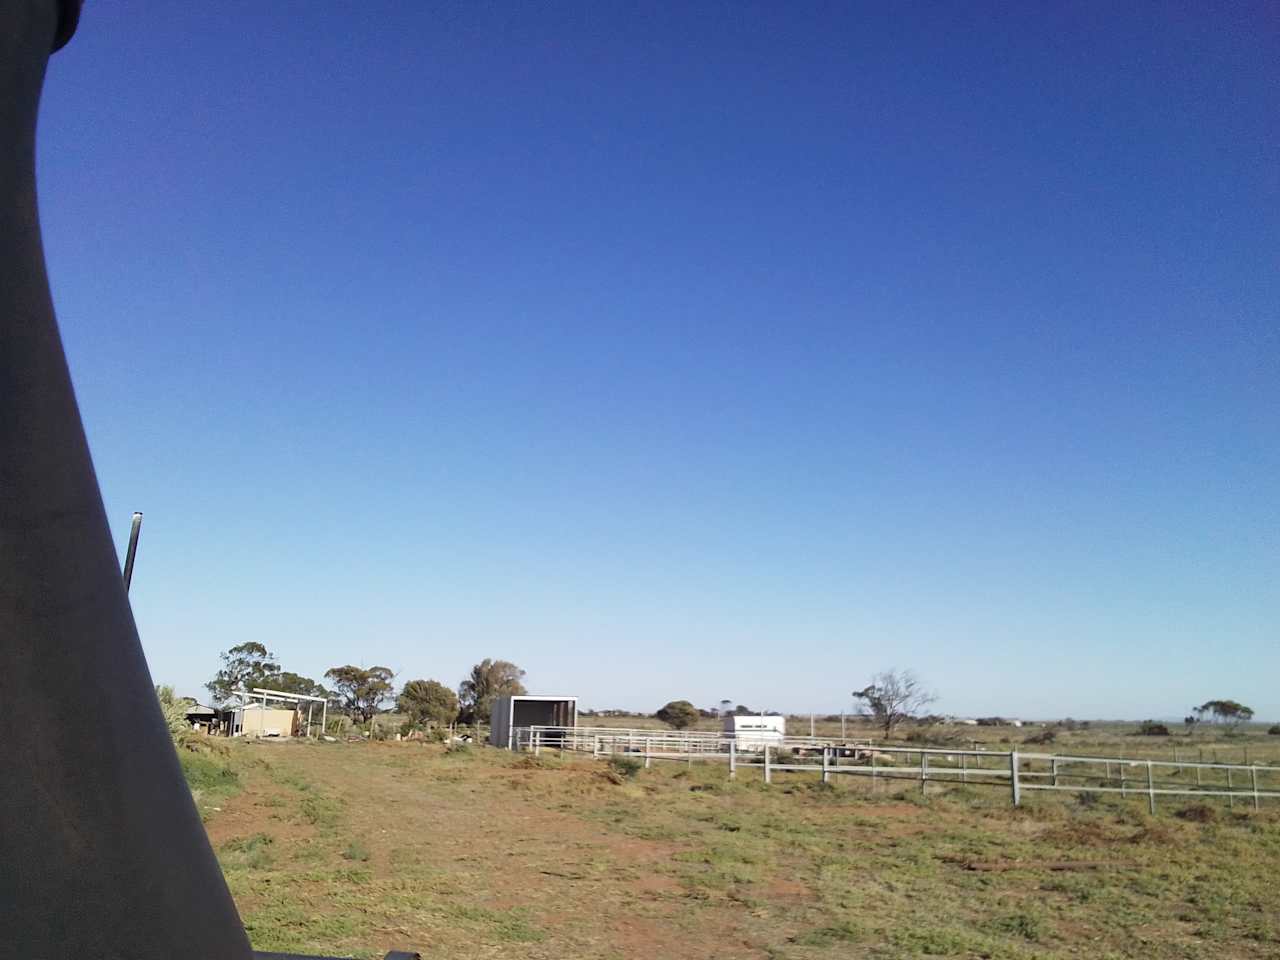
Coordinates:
(363,692)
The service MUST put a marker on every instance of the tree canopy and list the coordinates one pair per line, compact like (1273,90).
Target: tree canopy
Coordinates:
(893,696)
(361,691)
(489,680)
(1231,712)
(244,666)
(428,701)
(287,682)
(678,714)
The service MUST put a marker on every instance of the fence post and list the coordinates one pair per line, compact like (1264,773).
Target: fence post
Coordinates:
(537,743)
(964,768)
(826,764)
(924,772)
(1151,791)
(768,772)
(1054,764)
(1253,771)
(1199,771)
(648,759)
(1123,793)
(733,759)
(873,768)
(1231,797)
(1013,778)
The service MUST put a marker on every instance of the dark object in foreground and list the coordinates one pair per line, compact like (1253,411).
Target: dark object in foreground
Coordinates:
(102,853)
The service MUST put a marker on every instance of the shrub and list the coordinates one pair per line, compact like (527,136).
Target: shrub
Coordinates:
(174,710)
(626,766)
(678,714)
(1149,728)
(1044,736)
(356,850)
(1274,730)
(1198,813)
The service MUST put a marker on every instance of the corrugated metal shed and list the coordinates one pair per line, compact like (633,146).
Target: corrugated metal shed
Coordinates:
(509,713)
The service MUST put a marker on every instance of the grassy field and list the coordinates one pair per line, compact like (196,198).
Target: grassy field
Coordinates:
(359,848)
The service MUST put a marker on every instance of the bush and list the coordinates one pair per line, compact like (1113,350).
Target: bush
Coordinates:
(678,714)
(356,850)
(1149,728)
(174,710)
(626,766)
(1198,813)
(1044,736)
(1274,730)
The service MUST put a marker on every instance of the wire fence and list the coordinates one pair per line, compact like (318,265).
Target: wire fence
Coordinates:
(1014,771)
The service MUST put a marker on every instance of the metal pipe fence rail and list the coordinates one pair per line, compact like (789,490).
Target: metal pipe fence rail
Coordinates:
(1014,771)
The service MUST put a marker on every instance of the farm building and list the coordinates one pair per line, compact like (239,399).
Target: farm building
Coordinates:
(510,713)
(201,717)
(755,732)
(252,720)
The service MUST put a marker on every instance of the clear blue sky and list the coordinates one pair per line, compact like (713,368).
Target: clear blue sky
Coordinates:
(708,351)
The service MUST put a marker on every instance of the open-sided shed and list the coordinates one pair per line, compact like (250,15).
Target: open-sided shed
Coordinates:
(529,711)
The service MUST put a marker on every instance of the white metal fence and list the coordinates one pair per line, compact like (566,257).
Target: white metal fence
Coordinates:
(1014,771)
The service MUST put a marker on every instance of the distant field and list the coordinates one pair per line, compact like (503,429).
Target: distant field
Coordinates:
(360,848)
(1213,744)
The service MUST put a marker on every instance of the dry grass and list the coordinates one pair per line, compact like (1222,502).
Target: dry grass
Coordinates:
(361,848)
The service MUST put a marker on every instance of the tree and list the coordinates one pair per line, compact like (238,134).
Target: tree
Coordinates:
(678,714)
(244,666)
(287,682)
(742,710)
(360,691)
(428,701)
(489,680)
(893,696)
(174,709)
(1231,712)
(726,707)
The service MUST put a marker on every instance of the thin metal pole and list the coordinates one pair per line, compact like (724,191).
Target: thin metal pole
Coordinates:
(964,768)
(1054,763)
(310,706)
(648,759)
(1013,778)
(768,771)
(1253,771)
(733,760)
(924,772)
(324,719)
(826,764)
(132,552)
(1151,790)
(1231,799)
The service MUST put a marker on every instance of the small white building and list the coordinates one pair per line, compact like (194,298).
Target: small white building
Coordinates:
(755,732)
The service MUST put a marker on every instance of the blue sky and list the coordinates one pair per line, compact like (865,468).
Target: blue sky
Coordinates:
(708,351)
